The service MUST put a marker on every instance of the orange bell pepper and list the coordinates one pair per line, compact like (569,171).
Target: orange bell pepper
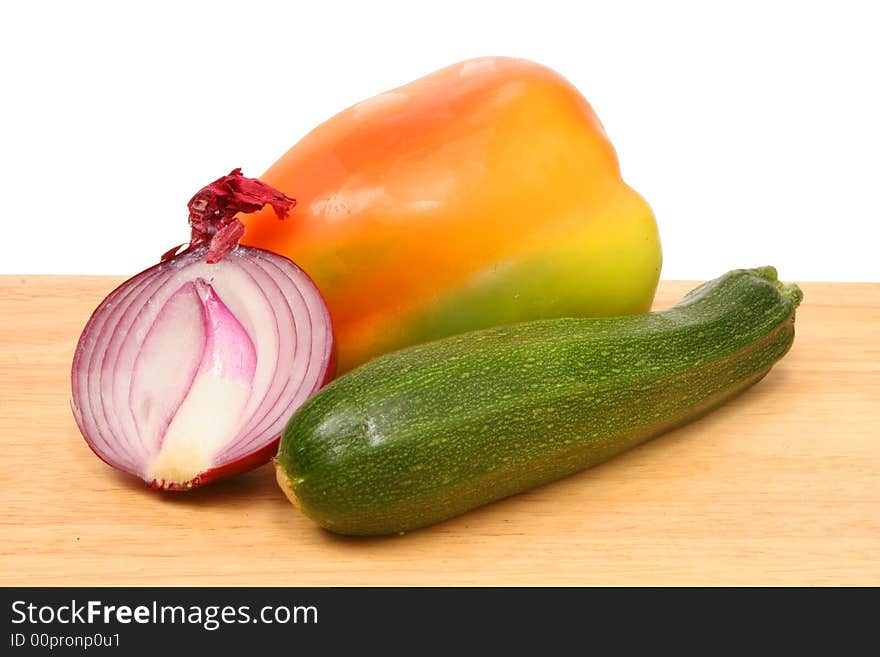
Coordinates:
(485,193)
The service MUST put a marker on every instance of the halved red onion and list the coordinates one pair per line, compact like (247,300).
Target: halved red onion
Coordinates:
(188,372)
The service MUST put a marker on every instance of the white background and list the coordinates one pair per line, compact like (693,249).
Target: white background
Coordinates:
(752,129)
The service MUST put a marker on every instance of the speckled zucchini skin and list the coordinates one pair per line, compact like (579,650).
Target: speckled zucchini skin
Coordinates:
(427,433)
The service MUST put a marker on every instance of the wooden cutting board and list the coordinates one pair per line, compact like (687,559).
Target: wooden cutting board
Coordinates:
(780,486)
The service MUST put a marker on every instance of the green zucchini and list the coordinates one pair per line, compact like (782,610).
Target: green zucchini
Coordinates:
(429,432)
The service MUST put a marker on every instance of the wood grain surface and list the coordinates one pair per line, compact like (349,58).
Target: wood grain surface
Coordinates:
(780,486)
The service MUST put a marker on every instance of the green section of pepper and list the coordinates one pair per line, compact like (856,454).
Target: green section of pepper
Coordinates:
(574,274)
